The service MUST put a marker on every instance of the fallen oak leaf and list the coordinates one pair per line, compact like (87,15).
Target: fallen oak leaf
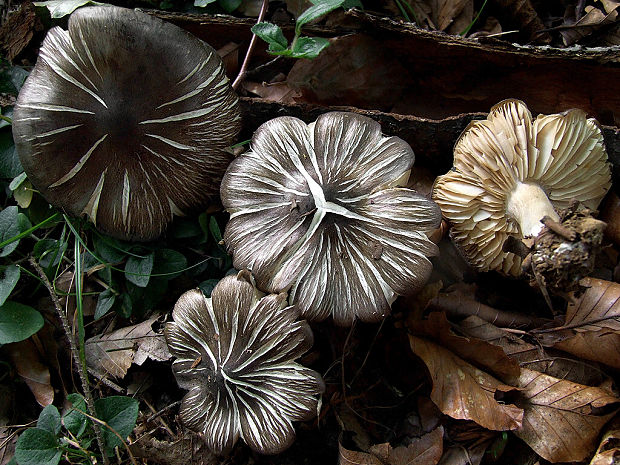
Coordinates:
(560,421)
(464,392)
(426,450)
(114,353)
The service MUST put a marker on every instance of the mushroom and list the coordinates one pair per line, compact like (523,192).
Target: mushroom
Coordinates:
(316,209)
(235,353)
(125,119)
(509,172)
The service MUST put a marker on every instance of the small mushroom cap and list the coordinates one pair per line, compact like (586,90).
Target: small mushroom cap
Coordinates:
(125,118)
(236,355)
(315,209)
(563,154)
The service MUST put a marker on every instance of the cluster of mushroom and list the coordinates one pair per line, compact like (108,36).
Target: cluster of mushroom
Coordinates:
(319,216)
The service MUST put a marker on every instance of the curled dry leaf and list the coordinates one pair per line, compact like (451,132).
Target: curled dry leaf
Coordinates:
(490,356)
(560,420)
(464,392)
(592,326)
(608,452)
(426,450)
(27,360)
(531,356)
(593,20)
(524,17)
(114,353)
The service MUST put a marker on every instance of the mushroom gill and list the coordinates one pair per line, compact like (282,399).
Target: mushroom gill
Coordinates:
(316,209)
(235,353)
(509,172)
(125,119)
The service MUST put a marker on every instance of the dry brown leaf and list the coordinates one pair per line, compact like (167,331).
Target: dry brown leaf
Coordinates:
(560,421)
(464,392)
(598,346)
(610,5)
(593,20)
(592,326)
(608,452)
(114,353)
(27,360)
(426,450)
(273,92)
(354,69)
(17,32)
(598,308)
(533,357)
(468,443)
(447,11)
(523,16)
(474,350)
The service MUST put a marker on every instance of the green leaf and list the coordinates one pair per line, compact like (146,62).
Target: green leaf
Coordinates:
(18,322)
(125,305)
(109,249)
(10,166)
(9,229)
(207,286)
(309,47)
(203,3)
(146,298)
(60,8)
(37,446)
(49,251)
(120,413)
(74,420)
(215,229)
(320,8)
(8,282)
(185,228)
(272,34)
(49,420)
(169,263)
(229,5)
(105,301)
(138,270)
(17,181)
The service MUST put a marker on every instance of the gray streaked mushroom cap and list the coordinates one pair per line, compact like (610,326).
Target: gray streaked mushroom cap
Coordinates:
(235,353)
(315,209)
(510,170)
(125,118)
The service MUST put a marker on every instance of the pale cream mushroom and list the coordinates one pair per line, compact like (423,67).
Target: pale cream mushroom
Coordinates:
(510,171)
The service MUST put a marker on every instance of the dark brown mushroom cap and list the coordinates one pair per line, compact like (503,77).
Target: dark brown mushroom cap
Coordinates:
(236,355)
(315,209)
(125,118)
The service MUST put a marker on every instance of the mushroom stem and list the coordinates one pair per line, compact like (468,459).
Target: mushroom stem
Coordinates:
(527,205)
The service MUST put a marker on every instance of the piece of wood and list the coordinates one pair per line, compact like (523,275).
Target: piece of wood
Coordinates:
(450,75)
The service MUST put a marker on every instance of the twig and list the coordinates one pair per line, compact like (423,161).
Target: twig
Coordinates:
(90,403)
(162,411)
(559,228)
(248,54)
